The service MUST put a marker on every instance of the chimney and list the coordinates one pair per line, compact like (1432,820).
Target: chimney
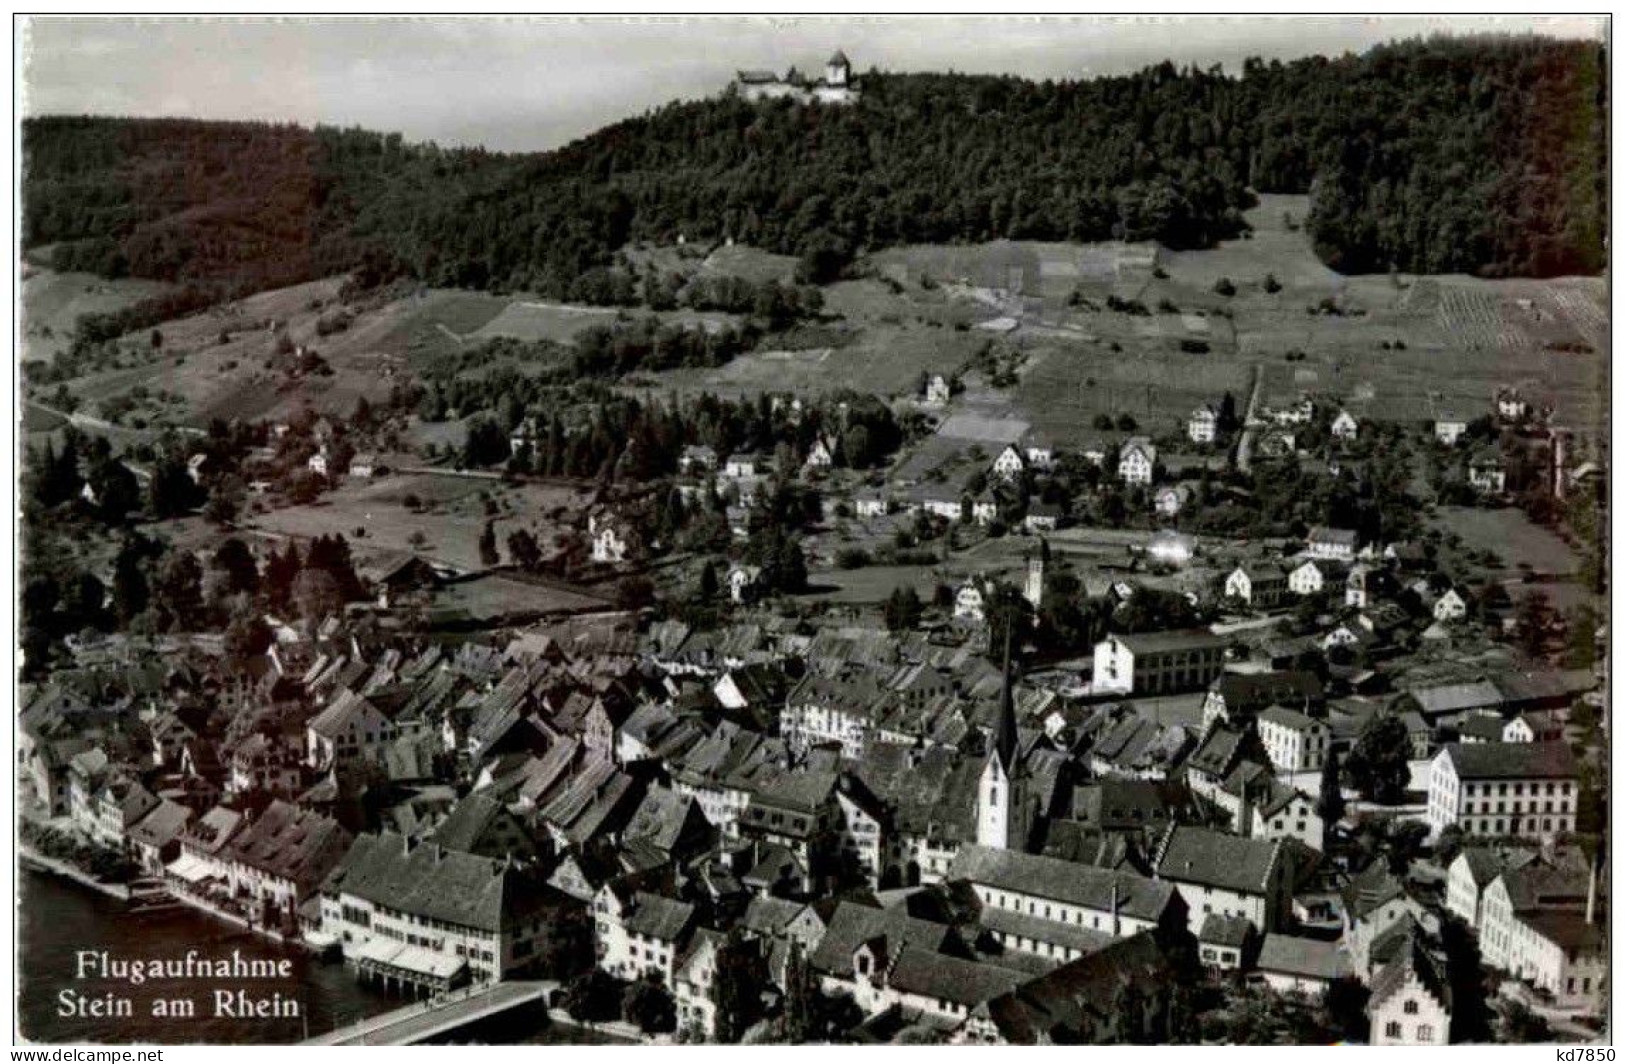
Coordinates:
(1591,894)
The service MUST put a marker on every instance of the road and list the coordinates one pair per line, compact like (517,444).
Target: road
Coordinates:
(1244,449)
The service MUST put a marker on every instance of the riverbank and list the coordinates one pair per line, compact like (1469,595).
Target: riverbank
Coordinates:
(38,861)
(207,907)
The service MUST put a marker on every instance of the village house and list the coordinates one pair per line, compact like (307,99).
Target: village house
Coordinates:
(1170,499)
(938,390)
(280,859)
(639,933)
(1345,427)
(1308,966)
(1333,544)
(1203,424)
(424,916)
(1529,789)
(1410,1000)
(1260,586)
(1541,922)
(1487,474)
(1137,461)
(1221,873)
(1309,578)
(1447,429)
(1449,606)
(1295,742)
(350,729)
(611,539)
(1010,463)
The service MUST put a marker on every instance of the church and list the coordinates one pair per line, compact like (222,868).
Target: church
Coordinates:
(836,86)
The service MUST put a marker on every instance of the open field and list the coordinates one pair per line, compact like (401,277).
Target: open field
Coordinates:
(450,517)
(52,303)
(1509,533)
(1390,347)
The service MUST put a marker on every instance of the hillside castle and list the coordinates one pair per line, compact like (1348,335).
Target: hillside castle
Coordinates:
(836,86)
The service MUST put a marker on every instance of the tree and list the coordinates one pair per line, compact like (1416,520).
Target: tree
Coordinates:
(316,593)
(708,582)
(130,592)
(523,550)
(172,491)
(593,998)
(247,637)
(235,563)
(488,545)
(903,609)
(800,1016)
(485,445)
(178,592)
(650,1006)
(116,489)
(1379,765)
(1330,805)
(1535,623)
(225,501)
(736,987)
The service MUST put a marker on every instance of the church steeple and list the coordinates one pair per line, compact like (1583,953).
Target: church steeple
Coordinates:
(1004,731)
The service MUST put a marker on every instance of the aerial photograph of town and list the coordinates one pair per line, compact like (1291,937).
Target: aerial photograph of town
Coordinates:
(864,531)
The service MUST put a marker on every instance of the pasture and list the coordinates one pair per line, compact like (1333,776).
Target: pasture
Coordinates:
(449,515)
(1509,533)
(51,304)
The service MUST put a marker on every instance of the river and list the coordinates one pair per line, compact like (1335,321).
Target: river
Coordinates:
(59,918)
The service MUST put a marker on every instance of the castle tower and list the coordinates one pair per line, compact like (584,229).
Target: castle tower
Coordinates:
(994,797)
(838,71)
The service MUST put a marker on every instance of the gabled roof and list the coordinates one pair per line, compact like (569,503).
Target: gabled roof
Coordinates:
(850,925)
(1191,854)
(1063,881)
(1307,957)
(430,881)
(1491,761)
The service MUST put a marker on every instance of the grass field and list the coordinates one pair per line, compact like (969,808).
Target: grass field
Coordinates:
(1394,347)
(451,515)
(1510,534)
(52,303)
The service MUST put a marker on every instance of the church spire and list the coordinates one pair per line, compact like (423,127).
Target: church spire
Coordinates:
(1004,731)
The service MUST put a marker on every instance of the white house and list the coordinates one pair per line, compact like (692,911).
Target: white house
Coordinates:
(742,580)
(1344,426)
(938,390)
(639,933)
(1487,474)
(1137,461)
(1447,430)
(1260,586)
(1294,741)
(610,542)
(1449,606)
(821,455)
(1219,873)
(1305,966)
(1333,544)
(1410,1001)
(1171,498)
(1203,424)
(970,604)
(1150,663)
(1010,463)
(1307,579)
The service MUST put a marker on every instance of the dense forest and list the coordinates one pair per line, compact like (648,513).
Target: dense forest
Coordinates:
(1483,155)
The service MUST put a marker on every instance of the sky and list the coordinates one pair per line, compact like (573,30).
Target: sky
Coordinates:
(514,84)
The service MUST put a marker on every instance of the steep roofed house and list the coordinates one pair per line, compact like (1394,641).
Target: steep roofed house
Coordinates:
(1224,874)
(280,858)
(1137,461)
(1295,742)
(1260,586)
(350,729)
(1333,544)
(1410,1001)
(639,933)
(423,916)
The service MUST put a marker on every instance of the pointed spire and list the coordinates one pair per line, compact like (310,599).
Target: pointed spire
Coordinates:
(1004,733)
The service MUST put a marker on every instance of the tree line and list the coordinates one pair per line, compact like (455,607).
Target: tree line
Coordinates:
(1484,155)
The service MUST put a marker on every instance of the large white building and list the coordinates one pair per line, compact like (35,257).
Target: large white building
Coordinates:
(1151,663)
(1137,461)
(1294,741)
(1528,789)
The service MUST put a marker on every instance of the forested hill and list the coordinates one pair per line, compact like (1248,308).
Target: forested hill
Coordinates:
(1482,155)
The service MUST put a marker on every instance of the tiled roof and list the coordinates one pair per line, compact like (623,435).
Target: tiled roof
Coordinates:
(1481,761)
(1063,881)
(1309,957)
(433,882)
(1190,854)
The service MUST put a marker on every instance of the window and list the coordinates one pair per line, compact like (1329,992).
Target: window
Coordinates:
(1392,1030)
(1411,1008)
(1424,1032)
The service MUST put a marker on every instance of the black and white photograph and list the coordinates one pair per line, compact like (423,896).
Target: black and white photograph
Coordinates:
(882,531)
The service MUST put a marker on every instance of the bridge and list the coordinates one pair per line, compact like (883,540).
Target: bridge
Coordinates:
(423,1020)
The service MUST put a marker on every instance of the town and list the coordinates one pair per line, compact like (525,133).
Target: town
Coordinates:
(1013,643)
